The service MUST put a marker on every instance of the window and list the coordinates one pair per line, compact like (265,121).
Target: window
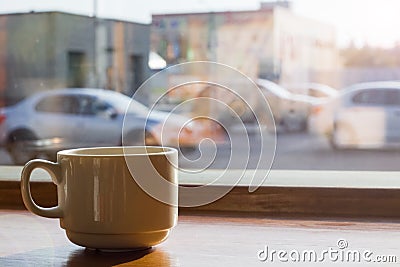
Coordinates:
(76,70)
(379,97)
(276,44)
(136,70)
(392,97)
(92,106)
(58,104)
(370,97)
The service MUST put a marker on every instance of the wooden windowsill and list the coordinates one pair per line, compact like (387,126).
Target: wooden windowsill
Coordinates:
(288,193)
(204,241)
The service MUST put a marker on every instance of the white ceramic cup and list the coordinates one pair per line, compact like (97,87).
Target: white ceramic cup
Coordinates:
(99,203)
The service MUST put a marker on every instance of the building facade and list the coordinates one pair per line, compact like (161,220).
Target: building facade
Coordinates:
(41,51)
(271,43)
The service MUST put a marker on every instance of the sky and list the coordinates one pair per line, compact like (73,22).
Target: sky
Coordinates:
(372,22)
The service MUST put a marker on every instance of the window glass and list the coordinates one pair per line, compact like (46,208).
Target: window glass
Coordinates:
(392,97)
(237,84)
(371,97)
(58,104)
(93,106)
(379,97)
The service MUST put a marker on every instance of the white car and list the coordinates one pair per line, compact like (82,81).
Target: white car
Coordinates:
(365,115)
(290,111)
(67,118)
(317,90)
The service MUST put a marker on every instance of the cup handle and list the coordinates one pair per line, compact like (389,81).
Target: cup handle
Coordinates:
(55,172)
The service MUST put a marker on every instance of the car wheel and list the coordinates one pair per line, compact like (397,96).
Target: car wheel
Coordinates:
(294,125)
(333,140)
(17,146)
(342,137)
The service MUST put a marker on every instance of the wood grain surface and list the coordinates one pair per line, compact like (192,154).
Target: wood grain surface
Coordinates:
(206,240)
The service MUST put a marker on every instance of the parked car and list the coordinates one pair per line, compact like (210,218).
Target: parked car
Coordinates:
(290,111)
(317,90)
(321,90)
(66,118)
(365,115)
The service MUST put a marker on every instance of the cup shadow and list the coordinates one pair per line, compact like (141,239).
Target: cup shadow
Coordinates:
(76,256)
(91,257)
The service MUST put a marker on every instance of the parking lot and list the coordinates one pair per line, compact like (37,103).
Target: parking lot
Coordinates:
(294,151)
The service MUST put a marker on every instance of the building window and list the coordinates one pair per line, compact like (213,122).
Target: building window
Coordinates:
(76,70)
(136,71)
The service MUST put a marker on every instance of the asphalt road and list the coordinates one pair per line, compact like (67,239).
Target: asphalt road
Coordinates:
(304,152)
(301,151)
(4,158)
(293,151)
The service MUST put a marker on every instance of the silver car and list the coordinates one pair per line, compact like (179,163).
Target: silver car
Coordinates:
(365,115)
(66,118)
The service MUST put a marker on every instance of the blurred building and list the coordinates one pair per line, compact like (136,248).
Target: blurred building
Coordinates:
(271,42)
(40,51)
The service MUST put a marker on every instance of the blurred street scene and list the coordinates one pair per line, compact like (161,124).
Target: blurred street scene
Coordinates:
(283,79)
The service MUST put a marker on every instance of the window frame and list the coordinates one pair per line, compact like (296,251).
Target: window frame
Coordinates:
(357,195)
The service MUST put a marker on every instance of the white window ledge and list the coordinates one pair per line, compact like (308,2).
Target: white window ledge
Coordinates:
(282,178)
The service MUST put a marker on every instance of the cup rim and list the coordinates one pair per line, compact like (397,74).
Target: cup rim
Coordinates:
(124,151)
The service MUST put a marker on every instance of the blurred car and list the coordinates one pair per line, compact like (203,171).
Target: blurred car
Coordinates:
(365,115)
(49,121)
(290,111)
(321,90)
(317,90)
